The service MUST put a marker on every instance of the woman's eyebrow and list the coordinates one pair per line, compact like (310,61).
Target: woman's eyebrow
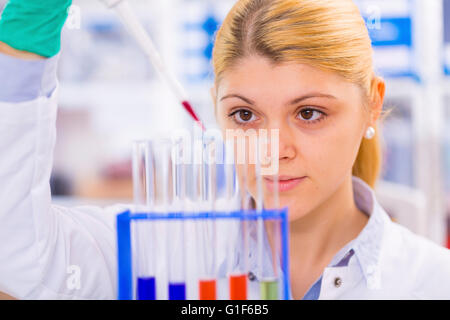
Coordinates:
(233,95)
(311,95)
(295,101)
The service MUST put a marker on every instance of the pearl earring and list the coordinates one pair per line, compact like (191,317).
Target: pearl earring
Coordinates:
(370,133)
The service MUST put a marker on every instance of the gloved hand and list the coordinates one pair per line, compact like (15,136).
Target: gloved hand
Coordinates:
(34,25)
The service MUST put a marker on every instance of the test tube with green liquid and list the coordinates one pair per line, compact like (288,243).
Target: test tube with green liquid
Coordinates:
(269,230)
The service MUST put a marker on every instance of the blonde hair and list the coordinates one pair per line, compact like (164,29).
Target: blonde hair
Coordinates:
(328,34)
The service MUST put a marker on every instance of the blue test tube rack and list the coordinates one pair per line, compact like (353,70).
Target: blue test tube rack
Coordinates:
(124,240)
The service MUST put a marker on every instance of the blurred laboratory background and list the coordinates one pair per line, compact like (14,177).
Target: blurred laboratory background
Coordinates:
(110,95)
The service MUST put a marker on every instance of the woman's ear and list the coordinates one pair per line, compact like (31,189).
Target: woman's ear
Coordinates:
(379,89)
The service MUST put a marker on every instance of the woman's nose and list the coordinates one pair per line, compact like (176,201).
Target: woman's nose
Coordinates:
(287,149)
(285,140)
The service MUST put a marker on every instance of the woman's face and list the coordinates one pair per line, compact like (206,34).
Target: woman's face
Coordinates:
(321,122)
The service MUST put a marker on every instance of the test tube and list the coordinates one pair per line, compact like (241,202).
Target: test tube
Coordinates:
(269,281)
(207,236)
(230,173)
(238,250)
(139,178)
(199,198)
(145,236)
(175,173)
(259,201)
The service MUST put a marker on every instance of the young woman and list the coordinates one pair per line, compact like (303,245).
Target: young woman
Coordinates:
(303,67)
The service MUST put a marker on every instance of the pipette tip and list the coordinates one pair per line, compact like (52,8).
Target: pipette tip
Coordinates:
(192,113)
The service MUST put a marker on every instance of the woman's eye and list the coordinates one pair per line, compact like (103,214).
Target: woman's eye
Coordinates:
(310,115)
(243,116)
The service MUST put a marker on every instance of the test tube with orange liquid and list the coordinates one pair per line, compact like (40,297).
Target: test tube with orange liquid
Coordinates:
(238,249)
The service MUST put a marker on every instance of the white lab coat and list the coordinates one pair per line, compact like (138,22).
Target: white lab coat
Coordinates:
(42,245)
(41,242)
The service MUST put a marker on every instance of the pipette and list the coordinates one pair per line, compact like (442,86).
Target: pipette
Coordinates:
(135,28)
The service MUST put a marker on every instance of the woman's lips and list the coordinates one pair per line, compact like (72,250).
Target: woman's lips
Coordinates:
(285,183)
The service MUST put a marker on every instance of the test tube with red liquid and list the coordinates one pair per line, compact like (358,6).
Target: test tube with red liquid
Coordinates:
(238,249)
(206,229)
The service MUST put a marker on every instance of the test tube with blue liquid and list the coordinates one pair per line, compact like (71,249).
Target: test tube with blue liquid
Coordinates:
(143,189)
(172,154)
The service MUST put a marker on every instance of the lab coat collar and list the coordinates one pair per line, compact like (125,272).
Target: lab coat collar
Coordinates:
(368,244)
(366,247)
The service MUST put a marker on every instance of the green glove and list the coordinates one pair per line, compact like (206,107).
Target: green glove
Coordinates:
(34,25)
